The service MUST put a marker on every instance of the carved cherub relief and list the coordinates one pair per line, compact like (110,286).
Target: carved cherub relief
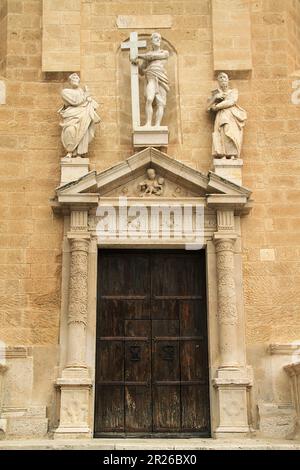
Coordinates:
(152,185)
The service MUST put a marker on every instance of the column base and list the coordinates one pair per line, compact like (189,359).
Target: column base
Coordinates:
(75,385)
(232,432)
(150,136)
(232,386)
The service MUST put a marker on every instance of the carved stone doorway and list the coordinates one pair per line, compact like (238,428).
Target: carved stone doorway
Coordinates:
(224,203)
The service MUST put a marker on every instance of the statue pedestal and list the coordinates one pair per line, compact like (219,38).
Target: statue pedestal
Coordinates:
(229,169)
(150,136)
(73,168)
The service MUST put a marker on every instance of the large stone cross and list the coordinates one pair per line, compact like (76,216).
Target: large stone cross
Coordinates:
(134,45)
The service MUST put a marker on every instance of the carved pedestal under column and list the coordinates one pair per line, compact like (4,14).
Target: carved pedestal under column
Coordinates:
(75,382)
(231,381)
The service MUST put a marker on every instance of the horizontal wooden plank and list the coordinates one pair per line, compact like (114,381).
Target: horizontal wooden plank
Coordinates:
(124,297)
(177,297)
(121,382)
(179,382)
(123,338)
(178,338)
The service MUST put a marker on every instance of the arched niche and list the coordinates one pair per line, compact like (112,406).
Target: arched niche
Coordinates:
(172,113)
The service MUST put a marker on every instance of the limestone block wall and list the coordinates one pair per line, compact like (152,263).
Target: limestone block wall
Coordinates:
(232,36)
(293,19)
(23,39)
(30,152)
(61,35)
(3,35)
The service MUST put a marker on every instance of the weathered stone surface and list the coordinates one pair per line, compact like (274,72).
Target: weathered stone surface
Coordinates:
(61,36)
(232,36)
(2,92)
(79,117)
(144,22)
(30,150)
(25,426)
(277,421)
(151,444)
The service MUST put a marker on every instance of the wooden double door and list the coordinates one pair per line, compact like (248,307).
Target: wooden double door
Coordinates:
(151,353)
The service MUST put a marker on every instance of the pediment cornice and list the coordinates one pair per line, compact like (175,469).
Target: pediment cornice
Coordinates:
(94,186)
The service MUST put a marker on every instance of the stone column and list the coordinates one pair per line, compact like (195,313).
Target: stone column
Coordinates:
(75,382)
(231,380)
(3,421)
(78,291)
(293,370)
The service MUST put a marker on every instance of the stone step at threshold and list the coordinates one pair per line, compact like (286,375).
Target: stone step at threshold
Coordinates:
(151,444)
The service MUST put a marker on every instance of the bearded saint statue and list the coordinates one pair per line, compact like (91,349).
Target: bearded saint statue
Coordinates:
(79,118)
(230,120)
(156,80)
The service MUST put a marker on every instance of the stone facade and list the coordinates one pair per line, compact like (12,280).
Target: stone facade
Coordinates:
(253,262)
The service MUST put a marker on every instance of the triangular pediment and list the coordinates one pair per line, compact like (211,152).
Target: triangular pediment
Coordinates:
(124,178)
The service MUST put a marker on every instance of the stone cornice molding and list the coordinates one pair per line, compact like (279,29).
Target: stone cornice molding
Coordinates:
(15,352)
(237,382)
(87,190)
(87,181)
(285,349)
(216,182)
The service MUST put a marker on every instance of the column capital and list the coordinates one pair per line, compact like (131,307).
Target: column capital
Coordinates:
(79,243)
(224,241)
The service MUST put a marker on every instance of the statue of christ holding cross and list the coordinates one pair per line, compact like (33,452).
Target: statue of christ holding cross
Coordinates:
(156,79)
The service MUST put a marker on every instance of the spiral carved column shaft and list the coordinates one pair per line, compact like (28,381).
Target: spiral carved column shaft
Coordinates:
(78,291)
(227,308)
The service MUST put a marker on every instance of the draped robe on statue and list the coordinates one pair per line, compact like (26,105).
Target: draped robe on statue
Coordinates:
(228,128)
(79,119)
(154,70)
